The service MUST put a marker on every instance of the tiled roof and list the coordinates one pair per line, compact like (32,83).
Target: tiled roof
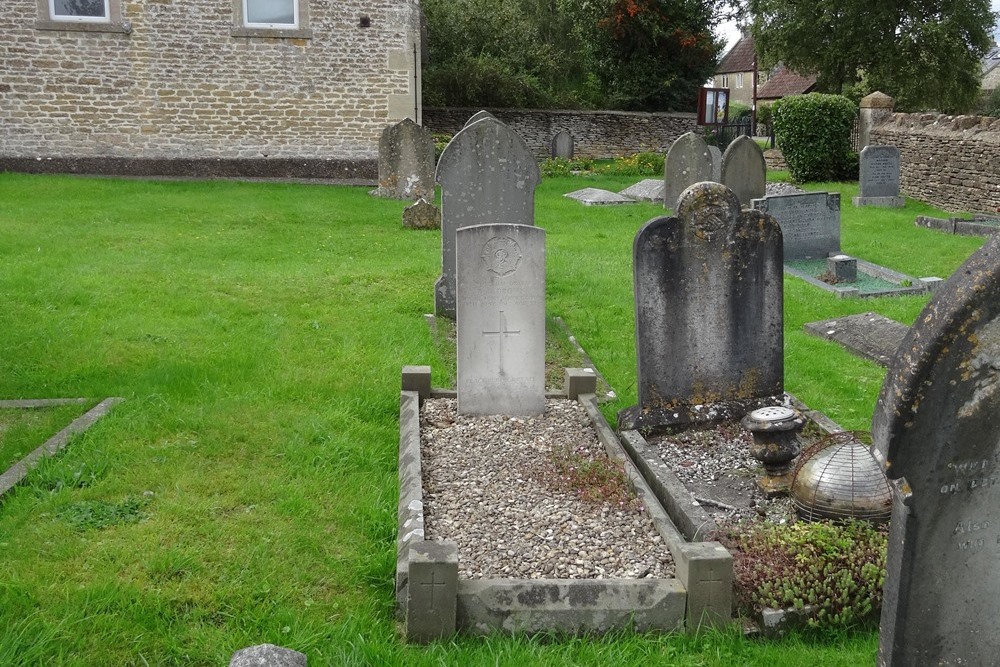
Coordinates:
(785,82)
(737,59)
(991,60)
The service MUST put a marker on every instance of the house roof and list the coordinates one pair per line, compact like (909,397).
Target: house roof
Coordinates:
(991,59)
(785,82)
(739,58)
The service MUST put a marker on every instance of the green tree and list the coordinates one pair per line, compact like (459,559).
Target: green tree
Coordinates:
(925,53)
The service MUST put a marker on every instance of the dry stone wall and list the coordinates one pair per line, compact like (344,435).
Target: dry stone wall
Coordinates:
(952,162)
(184,84)
(596,134)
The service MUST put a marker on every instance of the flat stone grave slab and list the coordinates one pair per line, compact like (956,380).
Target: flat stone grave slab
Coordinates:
(868,335)
(650,189)
(598,197)
(873,280)
(511,584)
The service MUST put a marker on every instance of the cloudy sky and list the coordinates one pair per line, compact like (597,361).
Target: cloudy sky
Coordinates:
(730,33)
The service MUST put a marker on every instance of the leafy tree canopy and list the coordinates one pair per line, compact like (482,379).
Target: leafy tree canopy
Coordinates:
(619,54)
(924,53)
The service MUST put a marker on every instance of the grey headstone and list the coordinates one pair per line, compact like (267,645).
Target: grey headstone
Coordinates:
(598,197)
(487,175)
(936,430)
(688,162)
(810,222)
(716,163)
(432,593)
(405,162)
(500,327)
(267,655)
(744,170)
(708,307)
(478,116)
(879,172)
(649,189)
(562,145)
(422,215)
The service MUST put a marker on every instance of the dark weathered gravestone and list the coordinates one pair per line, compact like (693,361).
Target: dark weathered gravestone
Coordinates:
(744,170)
(422,215)
(562,145)
(405,162)
(487,175)
(500,327)
(810,222)
(878,182)
(688,162)
(936,429)
(478,116)
(708,311)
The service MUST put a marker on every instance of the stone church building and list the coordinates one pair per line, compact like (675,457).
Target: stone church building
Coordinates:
(298,88)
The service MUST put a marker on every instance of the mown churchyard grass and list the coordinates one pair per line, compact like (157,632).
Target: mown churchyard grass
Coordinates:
(245,491)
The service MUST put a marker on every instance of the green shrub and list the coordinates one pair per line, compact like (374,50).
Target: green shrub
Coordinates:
(838,568)
(560,166)
(647,163)
(992,104)
(814,133)
(441,140)
(738,111)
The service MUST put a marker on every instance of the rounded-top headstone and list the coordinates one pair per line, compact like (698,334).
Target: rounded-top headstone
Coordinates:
(688,162)
(744,170)
(478,116)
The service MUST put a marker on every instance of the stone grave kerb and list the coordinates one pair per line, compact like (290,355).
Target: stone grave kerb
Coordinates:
(405,162)
(487,175)
(688,161)
(708,309)
(936,431)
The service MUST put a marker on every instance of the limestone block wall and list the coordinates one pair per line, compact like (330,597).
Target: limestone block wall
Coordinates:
(952,162)
(179,81)
(596,134)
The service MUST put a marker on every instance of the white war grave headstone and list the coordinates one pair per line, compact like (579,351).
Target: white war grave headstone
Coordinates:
(688,162)
(487,175)
(500,325)
(708,312)
(878,181)
(936,430)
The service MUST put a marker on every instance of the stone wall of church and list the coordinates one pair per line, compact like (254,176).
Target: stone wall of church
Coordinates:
(175,82)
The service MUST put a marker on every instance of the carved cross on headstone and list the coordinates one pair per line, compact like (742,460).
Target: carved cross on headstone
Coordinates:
(432,584)
(500,333)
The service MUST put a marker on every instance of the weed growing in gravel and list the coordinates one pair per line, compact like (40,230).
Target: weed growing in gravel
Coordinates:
(593,477)
(837,567)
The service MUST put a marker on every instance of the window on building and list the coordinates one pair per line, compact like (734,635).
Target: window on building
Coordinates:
(271,13)
(739,79)
(725,80)
(91,11)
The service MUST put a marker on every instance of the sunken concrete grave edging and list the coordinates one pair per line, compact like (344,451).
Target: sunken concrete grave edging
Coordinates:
(56,443)
(977,226)
(904,284)
(432,602)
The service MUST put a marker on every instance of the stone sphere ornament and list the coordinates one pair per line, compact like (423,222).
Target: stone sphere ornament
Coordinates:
(839,478)
(775,444)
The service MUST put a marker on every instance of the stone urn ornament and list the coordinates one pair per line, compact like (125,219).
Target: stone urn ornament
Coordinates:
(776,443)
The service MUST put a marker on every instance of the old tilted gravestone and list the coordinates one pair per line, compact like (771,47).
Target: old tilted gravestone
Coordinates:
(500,324)
(744,170)
(478,116)
(422,215)
(562,145)
(688,162)
(878,182)
(405,162)
(936,430)
(487,175)
(708,311)
(716,154)
(810,222)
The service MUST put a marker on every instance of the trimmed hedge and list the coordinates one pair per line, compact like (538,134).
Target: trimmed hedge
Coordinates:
(814,133)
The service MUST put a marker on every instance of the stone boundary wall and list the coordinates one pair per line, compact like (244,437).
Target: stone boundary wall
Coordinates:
(952,162)
(596,134)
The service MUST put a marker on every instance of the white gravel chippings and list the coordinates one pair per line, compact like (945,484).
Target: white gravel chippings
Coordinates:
(490,485)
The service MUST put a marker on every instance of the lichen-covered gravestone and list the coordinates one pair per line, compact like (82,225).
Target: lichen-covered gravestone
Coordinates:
(500,326)
(688,162)
(810,222)
(562,145)
(405,162)
(936,429)
(708,311)
(878,181)
(487,175)
(744,170)
(478,116)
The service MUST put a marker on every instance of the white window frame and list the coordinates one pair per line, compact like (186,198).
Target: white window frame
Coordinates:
(69,18)
(294,25)
(739,79)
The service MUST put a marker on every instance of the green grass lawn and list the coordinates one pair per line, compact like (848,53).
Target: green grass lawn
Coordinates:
(245,492)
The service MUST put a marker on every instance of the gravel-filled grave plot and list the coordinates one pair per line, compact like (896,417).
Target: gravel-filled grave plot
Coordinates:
(533,497)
